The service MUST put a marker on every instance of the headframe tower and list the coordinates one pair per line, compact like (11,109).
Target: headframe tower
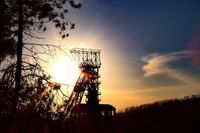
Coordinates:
(89,63)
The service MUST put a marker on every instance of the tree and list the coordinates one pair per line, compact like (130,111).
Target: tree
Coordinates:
(7,43)
(28,17)
(37,93)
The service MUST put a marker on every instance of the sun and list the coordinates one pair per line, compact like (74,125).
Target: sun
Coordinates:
(65,71)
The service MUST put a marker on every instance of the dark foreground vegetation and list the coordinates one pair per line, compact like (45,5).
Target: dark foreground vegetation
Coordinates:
(169,116)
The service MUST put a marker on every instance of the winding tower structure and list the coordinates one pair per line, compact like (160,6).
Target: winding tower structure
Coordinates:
(89,63)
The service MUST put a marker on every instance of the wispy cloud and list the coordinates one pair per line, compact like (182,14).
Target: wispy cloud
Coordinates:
(157,63)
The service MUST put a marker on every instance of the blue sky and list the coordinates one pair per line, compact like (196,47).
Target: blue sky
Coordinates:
(148,26)
(150,49)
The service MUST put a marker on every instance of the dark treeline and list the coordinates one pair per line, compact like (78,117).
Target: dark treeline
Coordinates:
(168,116)
(28,122)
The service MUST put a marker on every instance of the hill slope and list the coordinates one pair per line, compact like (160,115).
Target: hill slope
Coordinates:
(169,116)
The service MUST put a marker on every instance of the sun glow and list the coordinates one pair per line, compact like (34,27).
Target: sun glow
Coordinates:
(65,71)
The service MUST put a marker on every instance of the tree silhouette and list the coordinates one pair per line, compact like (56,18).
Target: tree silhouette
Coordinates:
(7,43)
(27,18)
(37,100)
(37,96)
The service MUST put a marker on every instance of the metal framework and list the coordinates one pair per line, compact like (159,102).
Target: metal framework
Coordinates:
(89,64)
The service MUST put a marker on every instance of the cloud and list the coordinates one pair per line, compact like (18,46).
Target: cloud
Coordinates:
(174,67)
(157,63)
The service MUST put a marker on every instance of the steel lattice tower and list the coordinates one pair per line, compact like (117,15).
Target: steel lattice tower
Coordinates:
(89,64)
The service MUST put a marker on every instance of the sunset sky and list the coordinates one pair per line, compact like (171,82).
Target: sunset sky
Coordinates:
(150,49)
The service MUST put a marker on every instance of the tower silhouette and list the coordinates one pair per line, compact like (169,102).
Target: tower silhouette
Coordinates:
(89,63)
